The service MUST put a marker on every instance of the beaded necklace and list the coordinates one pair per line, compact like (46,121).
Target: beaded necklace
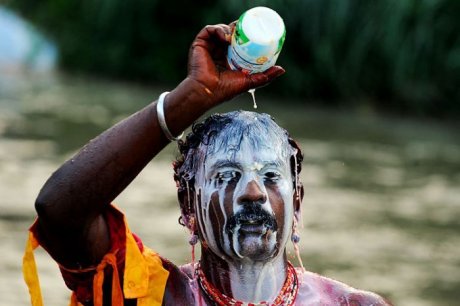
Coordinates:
(286,297)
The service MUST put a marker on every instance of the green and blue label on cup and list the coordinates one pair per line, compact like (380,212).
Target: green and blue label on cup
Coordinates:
(256,41)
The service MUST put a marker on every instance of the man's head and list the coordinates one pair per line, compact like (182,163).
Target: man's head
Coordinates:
(238,184)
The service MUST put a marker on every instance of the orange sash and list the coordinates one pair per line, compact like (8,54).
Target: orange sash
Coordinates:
(144,276)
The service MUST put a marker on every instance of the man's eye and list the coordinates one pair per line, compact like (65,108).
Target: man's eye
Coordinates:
(271,176)
(227,176)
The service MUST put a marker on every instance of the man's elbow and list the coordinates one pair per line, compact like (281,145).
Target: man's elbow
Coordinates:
(45,207)
(42,206)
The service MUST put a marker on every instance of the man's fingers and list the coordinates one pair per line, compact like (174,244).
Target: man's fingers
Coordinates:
(257,80)
(220,32)
(233,25)
(261,79)
(274,72)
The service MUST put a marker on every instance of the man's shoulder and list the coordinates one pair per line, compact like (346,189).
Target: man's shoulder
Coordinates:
(318,289)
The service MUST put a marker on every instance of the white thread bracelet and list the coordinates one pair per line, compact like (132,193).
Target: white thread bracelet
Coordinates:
(162,120)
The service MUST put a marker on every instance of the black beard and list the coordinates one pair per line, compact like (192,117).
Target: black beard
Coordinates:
(251,213)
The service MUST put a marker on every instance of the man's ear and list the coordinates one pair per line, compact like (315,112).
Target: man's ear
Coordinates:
(298,197)
(182,198)
(186,202)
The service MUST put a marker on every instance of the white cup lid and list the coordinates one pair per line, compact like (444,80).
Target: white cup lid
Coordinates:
(263,25)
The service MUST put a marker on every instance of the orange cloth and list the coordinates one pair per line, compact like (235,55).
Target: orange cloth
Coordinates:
(29,270)
(144,275)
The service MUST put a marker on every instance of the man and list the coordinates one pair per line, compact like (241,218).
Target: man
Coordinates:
(239,195)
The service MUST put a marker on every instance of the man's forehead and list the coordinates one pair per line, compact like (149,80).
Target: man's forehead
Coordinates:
(247,138)
(254,136)
(249,152)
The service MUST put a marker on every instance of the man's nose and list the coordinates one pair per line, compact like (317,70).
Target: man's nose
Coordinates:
(252,194)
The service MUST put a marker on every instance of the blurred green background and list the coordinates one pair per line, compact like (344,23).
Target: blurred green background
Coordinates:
(401,56)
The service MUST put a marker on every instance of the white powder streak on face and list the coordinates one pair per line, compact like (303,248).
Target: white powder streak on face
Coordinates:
(284,185)
(248,157)
(253,165)
(236,244)
(203,219)
(247,282)
(249,278)
(199,211)
(226,241)
(286,192)
(208,191)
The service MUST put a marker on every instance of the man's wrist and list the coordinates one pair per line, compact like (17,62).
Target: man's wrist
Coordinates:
(194,94)
(185,104)
(162,120)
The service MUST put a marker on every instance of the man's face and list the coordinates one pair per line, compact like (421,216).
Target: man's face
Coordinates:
(244,199)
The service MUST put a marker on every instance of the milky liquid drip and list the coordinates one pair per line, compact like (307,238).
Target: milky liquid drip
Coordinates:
(252,93)
(255,144)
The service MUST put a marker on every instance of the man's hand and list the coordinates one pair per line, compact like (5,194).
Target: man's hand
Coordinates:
(208,66)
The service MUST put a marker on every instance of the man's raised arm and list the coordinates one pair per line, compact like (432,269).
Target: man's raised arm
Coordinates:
(71,203)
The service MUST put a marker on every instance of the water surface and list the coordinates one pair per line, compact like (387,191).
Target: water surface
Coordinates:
(381,210)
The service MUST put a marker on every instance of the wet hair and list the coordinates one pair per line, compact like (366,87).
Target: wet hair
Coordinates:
(231,128)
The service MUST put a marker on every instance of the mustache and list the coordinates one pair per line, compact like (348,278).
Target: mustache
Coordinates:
(251,213)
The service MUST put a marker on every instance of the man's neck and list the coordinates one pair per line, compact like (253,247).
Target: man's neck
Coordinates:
(246,280)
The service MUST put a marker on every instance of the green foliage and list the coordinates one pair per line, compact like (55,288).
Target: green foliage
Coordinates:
(399,55)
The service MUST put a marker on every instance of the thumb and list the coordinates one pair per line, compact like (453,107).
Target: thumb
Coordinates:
(274,72)
(262,79)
